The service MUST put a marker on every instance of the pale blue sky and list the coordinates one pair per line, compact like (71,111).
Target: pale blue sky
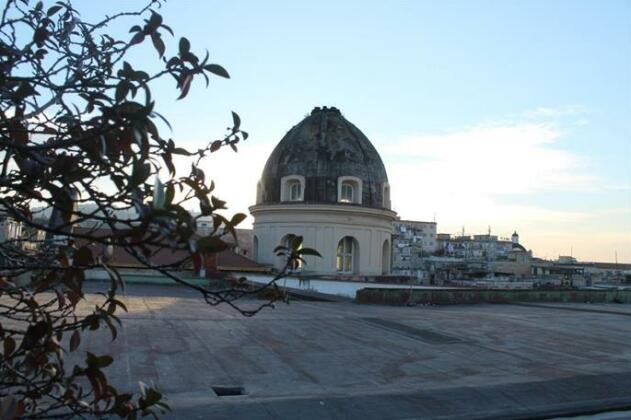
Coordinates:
(514,114)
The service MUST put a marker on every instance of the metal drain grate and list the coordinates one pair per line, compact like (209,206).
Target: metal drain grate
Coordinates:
(228,391)
(429,336)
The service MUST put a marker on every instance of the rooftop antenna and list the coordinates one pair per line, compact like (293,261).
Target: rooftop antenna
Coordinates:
(571,251)
(489,230)
(616,253)
(462,230)
(434,217)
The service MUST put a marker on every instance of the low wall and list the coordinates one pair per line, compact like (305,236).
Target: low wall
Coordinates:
(131,276)
(460,296)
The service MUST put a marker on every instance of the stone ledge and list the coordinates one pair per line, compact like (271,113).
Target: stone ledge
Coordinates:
(468,296)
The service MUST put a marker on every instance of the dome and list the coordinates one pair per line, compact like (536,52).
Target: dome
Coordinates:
(320,150)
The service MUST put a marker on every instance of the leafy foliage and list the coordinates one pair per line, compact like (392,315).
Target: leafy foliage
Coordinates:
(80,140)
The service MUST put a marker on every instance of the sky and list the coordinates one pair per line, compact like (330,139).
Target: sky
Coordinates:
(507,115)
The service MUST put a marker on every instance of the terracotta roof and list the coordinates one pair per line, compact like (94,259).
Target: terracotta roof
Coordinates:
(230,261)
(225,260)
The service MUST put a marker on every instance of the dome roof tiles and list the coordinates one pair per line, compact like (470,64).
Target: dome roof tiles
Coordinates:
(323,147)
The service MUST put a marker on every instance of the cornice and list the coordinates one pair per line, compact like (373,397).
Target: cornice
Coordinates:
(343,209)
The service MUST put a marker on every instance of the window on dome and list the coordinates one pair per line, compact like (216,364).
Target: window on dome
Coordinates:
(347,253)
(349,190)
(292,188)
(295,191)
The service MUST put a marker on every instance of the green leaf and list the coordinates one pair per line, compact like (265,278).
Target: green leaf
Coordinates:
(216,145)
(18,132)
(105,361)
(98,362)
(75,340)
(137,39)
(237,218)
(112,327)
(121,304)
(168,161)
(217,70)
(190,57)
(236,121)
(83,256)
(217,203)
(170,194)
(295,243)
(158,44)
(181,151)
(152,396)
(52,10)
(40,35)
(185,46)
(185,84)
(122,89)
(139,174)
(308,251)
(211,244)
(33,334)
(280,248)
(168,28)
(24,90)
(9,347)
(155,20)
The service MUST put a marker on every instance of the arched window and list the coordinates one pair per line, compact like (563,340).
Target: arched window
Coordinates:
(347,255)
(255,248)
(385,257)
(349,189)
(292,188)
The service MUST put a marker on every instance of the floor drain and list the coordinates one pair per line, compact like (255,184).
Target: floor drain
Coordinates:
(228,391)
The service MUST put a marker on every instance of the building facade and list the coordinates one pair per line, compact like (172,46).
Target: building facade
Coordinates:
(412,241)
(326,182)
(10,229)
(484,246)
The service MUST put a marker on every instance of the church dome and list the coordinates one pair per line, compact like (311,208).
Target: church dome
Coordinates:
(326,156)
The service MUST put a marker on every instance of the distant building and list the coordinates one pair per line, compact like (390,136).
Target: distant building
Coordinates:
(411,242)
(212,262)
(566,259)
(243,243)
(485,247)
(10,229)
(32,237)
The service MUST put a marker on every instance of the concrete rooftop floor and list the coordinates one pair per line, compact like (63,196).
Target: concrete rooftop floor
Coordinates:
(316,360)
